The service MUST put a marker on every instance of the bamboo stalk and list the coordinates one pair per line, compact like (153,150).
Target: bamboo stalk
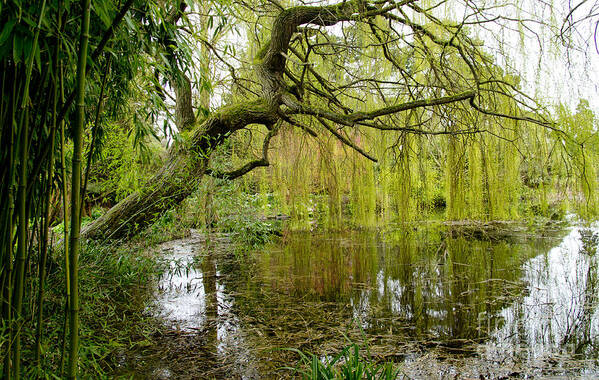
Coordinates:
(8,237)
(76,192)
(65,232)
(22,239)
(46,227)
(21,199)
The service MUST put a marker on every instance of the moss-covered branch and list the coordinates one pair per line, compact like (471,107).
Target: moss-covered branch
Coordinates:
(356,117)
(177,179)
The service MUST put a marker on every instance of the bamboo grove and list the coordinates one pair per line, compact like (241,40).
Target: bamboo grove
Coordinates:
(65,73)
(344,129)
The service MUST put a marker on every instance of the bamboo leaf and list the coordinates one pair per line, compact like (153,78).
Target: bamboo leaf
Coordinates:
(17,49)
(101,10)
(6,31)
(38,60)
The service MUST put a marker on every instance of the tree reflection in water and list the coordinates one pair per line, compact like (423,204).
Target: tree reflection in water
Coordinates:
(488,305)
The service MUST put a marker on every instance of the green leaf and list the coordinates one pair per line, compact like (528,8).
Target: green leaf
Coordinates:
(38,60)
(130,22)
(7,30)
(17,49)
(101,8)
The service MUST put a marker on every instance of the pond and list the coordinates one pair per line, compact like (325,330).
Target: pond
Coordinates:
(441,302)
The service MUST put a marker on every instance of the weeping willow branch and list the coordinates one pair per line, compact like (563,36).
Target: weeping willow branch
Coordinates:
(345,140)
(296,123)
(542,123)
(248,167)
(418,131)
(356,117)
(238,172)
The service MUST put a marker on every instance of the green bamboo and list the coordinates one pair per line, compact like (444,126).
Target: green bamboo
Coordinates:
(44,233)
(46,227)
(22,241)
(21,199)
(65,232)
(8,236)
(76,192)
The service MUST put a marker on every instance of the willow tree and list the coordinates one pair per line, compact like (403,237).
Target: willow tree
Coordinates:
(285,85)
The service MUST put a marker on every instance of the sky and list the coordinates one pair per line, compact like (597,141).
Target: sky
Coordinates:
(551,71)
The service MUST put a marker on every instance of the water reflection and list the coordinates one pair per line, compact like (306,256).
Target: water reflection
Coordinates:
(182,289)
(558,317)
(442,288)
(192,297)
(520,302)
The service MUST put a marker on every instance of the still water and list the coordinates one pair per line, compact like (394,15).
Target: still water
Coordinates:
(439,303)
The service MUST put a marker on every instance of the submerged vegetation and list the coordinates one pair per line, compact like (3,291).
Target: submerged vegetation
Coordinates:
(125,124)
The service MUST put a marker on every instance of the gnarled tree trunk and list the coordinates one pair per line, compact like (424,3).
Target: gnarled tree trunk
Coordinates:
(177,179)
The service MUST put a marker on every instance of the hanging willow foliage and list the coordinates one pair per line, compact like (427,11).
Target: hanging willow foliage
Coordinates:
(529,171)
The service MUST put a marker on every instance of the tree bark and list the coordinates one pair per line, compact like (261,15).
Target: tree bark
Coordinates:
(184,116)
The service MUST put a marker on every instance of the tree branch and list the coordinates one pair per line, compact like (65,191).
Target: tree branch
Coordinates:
(542,123)
(248,167)
(345,140)
(356,117)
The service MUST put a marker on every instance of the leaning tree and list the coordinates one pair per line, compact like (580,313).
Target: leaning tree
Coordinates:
(308,68)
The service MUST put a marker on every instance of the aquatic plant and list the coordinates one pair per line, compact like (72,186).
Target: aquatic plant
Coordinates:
(349,364)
